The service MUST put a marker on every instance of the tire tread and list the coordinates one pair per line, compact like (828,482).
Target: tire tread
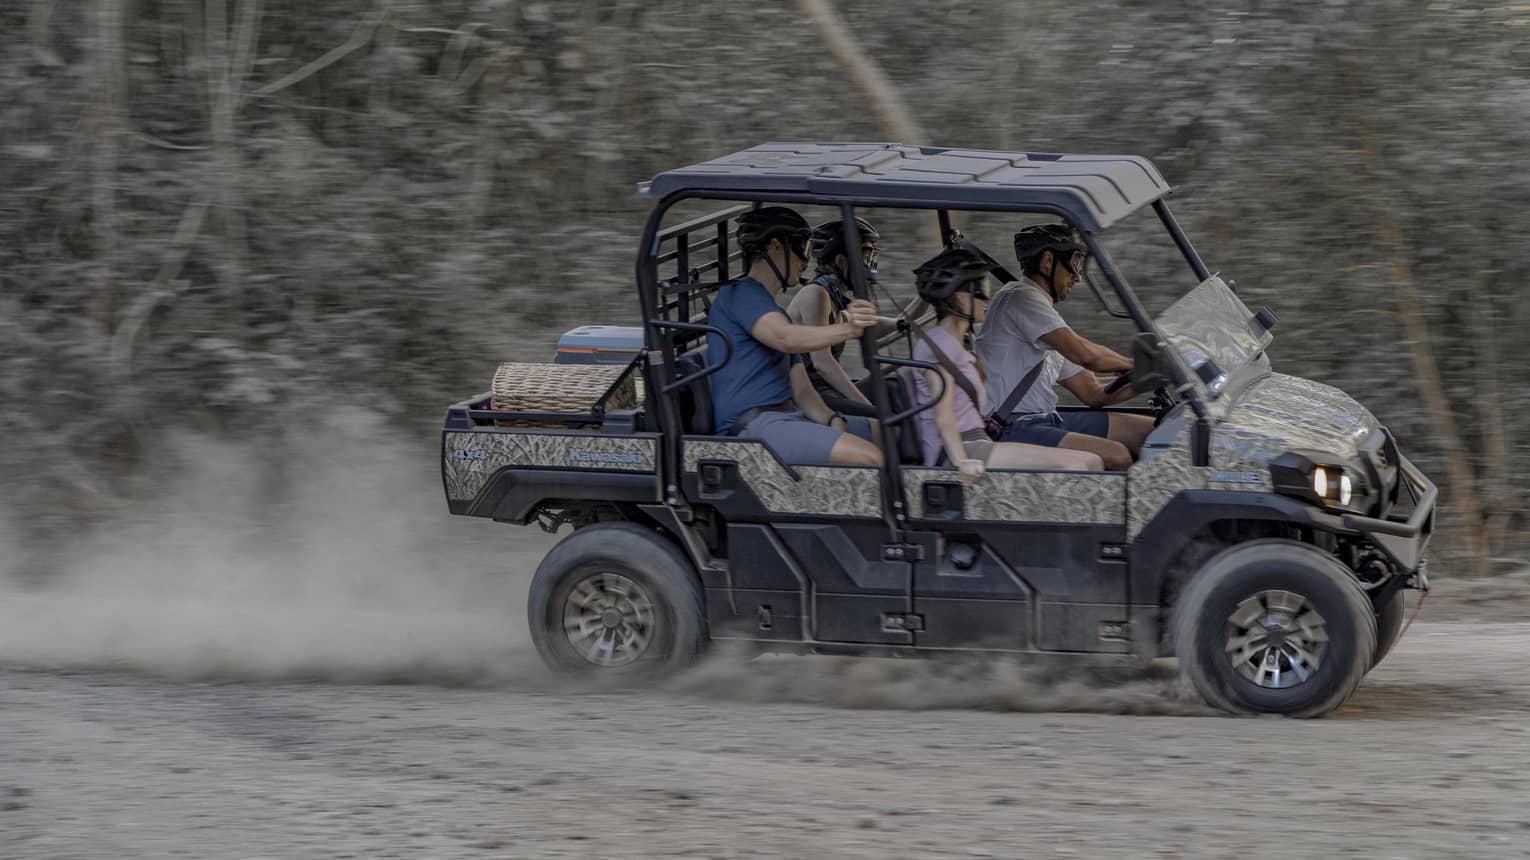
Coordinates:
(1229,563)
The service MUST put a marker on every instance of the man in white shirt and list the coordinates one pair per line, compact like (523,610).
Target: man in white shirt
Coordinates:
(1024,329)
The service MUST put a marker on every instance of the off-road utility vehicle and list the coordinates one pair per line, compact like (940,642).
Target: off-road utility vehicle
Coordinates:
(1264,536)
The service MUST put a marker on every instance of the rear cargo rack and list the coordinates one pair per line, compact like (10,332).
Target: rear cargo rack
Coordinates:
(477,412)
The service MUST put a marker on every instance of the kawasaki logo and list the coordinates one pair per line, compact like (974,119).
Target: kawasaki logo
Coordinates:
(580,455)
(1236,478)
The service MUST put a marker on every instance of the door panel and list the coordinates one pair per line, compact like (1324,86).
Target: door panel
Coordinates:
(1021,560)
(804,545)
(851,587)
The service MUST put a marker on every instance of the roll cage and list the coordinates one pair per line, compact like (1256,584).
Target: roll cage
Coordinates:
(1089,192)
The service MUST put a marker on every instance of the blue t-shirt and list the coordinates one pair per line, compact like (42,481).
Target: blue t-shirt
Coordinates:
(757,375)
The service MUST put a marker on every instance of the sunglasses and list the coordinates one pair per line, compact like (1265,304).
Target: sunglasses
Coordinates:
(1076,263)
(800,242)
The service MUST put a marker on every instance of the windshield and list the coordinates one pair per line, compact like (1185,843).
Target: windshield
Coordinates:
(1214,333)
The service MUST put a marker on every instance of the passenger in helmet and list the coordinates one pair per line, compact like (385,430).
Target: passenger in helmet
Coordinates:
(824,299)
(953,432)
(763,391)
(1024,329)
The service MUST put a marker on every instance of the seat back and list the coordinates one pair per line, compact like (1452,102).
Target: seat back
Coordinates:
(695,397)
(902,394)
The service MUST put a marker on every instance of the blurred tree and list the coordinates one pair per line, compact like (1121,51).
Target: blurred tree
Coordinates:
(222,212)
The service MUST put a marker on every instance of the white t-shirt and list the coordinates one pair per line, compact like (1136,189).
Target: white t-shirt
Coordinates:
(1009,344)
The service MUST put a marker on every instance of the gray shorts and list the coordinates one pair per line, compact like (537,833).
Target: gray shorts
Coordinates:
(977,445)
(798,440)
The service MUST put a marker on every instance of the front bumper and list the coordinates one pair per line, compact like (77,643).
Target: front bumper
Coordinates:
(1402,538)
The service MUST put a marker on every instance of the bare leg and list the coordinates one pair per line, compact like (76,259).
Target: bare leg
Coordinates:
(1130,430)
(1113,453)
(1019,455)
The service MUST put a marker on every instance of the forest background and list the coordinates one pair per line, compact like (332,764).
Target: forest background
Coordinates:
(229,217)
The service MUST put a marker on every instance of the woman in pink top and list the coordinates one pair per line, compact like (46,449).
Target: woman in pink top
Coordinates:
(952,433)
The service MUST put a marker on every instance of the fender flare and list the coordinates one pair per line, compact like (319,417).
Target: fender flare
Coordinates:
(1191,511)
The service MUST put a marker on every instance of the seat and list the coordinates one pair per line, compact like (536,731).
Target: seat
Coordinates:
(902,394)
(695,403)
(695,397)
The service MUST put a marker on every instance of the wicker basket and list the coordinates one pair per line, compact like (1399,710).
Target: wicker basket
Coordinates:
(531,387)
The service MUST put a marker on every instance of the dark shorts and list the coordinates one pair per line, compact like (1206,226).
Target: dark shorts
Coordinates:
(798,440)
(1050,429)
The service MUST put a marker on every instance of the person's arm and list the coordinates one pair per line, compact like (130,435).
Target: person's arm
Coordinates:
(779,333)
(945,425)
(809,401)
(1087,388)
(834,373)
(1085,353)
(884,326)
(807,307)
(811,306)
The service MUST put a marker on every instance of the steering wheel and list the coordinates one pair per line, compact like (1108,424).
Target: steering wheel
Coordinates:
(1161,401)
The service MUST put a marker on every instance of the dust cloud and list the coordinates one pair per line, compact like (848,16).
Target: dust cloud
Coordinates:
(326,554)
(321,554)
(965,683)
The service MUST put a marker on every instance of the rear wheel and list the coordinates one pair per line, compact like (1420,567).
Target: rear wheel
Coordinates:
(1274,626)
(616,601)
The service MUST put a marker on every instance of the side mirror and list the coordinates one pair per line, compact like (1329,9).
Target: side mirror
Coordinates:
(1148,363)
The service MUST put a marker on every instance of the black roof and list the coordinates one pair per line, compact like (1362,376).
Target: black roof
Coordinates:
(1090,191)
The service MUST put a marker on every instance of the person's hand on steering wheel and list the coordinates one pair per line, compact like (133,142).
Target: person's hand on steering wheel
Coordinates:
(1161,402)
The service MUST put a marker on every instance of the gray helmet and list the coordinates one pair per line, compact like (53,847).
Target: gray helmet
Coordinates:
(1060,239)
(829,238)
(758,226)
(949,272)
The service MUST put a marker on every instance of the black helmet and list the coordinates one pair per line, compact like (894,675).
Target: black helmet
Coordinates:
(829,238)
(758,226)
(950,272)
(1057,238)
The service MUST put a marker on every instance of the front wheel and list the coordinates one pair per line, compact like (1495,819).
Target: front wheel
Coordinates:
(1389,622)
(1274,627)
(616,601)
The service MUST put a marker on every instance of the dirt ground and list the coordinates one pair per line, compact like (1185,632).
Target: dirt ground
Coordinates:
(225,726)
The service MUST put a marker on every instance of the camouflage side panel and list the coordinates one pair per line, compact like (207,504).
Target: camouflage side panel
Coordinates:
(1212,320)
(472,457)
(1152,482)
(844,491)
(1030,497)
(1275,415)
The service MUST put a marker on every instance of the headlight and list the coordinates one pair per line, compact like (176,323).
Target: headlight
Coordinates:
(1329,484)
(1333,484)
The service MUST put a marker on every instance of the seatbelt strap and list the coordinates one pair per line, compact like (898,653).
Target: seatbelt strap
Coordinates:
(1001,415)
(949,366)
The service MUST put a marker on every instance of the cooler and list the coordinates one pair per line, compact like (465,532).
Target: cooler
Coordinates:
(600,344)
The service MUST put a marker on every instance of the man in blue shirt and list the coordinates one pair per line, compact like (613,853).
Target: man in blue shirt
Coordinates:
(764,392)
